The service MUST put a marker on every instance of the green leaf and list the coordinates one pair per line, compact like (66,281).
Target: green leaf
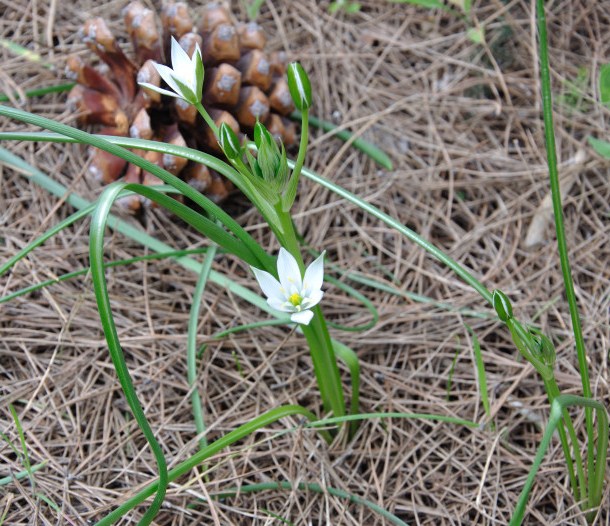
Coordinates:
(601,147)
(476,35)
(432,4)
(604,84)
(372,151)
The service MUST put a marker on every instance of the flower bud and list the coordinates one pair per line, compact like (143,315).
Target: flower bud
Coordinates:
(229,142)
(501,303)
(261,133)
(544,349)
(270,164)
(299,86)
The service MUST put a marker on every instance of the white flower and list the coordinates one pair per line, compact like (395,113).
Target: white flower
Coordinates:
(185,77)
(293,293)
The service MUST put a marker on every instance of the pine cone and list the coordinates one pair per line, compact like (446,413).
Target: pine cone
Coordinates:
(242,84)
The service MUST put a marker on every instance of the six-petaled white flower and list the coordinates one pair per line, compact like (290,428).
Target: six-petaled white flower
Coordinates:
(185,77)
(293,293)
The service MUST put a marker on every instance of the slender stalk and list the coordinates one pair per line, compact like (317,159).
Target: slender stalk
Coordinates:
(579,486)
(300,161)
(547,107)
(191,346)
(206,117)
(291,191)
(316,333)
(98,225)
(559,405)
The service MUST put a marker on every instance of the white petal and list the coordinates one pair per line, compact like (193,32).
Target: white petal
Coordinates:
(270,285)
(289,273)
(312,300)
(314,276)
(157,89)
(167,75)
(181,62)
(281,305)
(303,317)
(197,52)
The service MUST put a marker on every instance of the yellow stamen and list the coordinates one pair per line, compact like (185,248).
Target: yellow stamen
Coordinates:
(295,299)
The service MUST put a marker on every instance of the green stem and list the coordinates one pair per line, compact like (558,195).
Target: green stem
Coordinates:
(316,333)
(549,135)
(291,191)
(324,364)
(559,405)
(579,487)
(206,117)
(191,346)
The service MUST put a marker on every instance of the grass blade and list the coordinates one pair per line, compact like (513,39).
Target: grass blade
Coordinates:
(374,152)
(191,346)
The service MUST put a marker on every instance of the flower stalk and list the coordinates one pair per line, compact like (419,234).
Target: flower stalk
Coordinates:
(272,188)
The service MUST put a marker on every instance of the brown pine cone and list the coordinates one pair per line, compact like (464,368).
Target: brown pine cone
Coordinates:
(242,84)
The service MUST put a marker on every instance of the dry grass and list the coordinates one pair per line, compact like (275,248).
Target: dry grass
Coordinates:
(463,125)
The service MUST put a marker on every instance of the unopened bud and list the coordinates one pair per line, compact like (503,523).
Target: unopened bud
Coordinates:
(501,303)
(261,134)
(229,142)
(299,86)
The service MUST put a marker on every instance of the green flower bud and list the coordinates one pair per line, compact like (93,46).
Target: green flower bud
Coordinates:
(544,349)
(270,163)
(501,303)
(262,134)
(229,142)
(299,86)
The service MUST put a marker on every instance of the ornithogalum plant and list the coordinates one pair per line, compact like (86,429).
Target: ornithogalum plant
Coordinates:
(261,170)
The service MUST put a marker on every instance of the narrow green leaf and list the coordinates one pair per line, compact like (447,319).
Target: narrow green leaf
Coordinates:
(431,4)
(374,152)
(23,474)
(112,147)
(597,475)
(604,84)
(40,91)
(191,346)
(481,376)
(601,147)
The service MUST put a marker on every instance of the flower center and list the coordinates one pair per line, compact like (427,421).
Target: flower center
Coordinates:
(295,299)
